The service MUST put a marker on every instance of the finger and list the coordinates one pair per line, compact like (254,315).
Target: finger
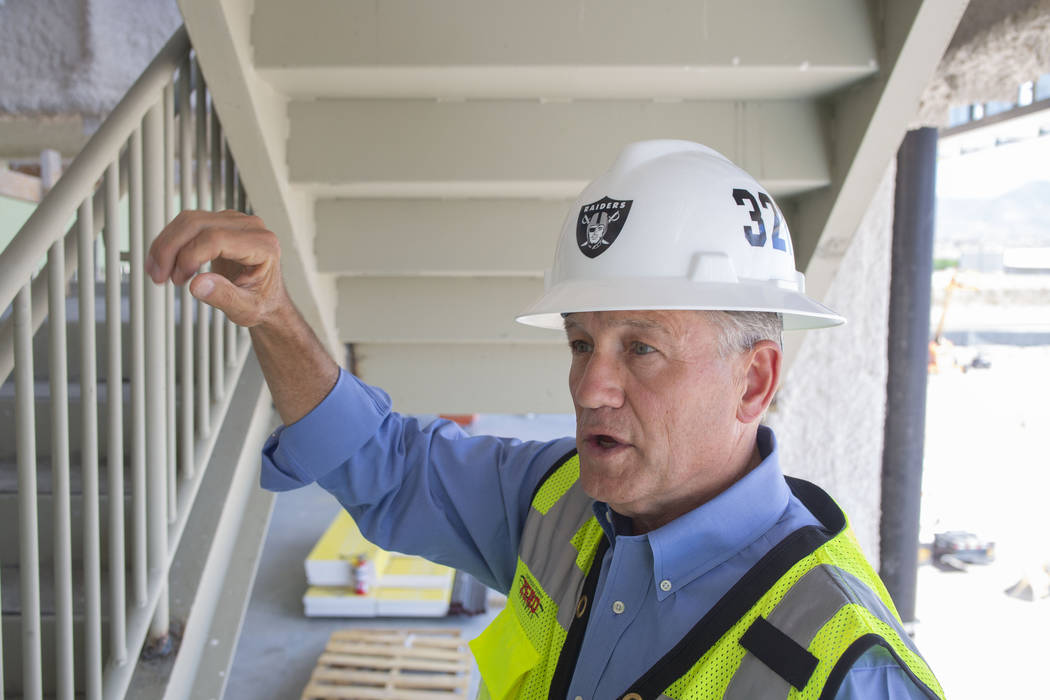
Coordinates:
(241,306)
(184,228)
(246,248)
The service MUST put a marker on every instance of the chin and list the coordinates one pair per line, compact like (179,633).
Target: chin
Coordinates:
(603,487)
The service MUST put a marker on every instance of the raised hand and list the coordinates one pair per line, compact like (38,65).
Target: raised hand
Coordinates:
(245,283)
(245,279)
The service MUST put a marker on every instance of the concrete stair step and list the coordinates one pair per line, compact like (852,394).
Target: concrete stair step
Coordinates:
(41,340)
(11,626)
(464,237)
(552,49)
(478,377)
(9,510)
(439,309)
(514,148)
(42,408)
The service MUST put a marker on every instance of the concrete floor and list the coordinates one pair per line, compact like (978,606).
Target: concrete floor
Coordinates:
(986,470)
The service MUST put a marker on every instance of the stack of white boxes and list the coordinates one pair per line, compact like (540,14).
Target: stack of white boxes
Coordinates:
(351,577)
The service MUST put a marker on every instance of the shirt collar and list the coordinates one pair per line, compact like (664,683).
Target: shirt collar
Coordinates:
(703,538)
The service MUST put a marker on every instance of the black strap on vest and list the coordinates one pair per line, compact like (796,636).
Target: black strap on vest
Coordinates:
(782,654)
(745,593)
(570,651)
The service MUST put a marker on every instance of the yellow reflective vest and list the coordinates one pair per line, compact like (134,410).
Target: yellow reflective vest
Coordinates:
(790,628)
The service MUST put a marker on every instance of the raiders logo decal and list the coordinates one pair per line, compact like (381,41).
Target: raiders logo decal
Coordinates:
(600,223)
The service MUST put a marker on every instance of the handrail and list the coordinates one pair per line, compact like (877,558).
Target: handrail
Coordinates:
(48,221)
(39,291)
(150,149)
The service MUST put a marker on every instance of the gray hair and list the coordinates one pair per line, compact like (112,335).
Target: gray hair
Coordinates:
(740,330)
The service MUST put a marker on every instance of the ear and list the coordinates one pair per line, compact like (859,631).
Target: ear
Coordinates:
(761,380)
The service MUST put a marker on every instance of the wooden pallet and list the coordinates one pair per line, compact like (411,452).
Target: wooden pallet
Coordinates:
(392,664)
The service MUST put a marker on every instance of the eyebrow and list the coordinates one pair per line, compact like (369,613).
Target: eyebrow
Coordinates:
(630,322)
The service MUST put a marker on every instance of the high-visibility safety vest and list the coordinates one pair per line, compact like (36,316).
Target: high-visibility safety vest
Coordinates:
(790,628)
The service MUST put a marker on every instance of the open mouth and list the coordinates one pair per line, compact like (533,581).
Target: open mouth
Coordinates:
(605,442)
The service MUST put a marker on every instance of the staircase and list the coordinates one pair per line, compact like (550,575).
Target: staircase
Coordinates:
(422,155)
(130,420)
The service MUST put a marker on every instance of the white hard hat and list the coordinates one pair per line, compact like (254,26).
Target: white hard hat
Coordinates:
(675,225)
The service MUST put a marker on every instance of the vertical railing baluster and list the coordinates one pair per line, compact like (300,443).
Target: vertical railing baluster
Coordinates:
(1,640)
(29,544)
(60,497)
(138,372)
(186,301)
(231,203)
(218,374)
(115,417)
(203,386)
(242,197)
(169,300)
(156,402)
(229,189)
(89,451)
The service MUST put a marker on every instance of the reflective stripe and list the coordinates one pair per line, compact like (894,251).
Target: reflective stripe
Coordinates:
(861,594)
(555,567)
(800,614)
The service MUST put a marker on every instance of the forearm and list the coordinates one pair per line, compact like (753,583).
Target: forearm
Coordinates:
(298,369)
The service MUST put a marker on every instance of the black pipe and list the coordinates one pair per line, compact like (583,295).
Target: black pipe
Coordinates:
(908,351)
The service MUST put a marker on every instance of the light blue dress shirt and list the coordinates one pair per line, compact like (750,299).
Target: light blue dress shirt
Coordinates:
(462,501)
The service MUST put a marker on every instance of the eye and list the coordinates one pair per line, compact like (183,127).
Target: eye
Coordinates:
(579,346)
(639,348)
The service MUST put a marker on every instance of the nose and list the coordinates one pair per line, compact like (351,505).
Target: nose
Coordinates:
(596,381)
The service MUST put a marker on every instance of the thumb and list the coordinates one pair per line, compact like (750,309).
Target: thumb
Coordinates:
(217,291)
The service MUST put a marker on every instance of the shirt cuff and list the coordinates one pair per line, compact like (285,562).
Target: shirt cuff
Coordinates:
(327,436)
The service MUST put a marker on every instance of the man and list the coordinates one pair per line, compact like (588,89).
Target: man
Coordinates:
(659,554)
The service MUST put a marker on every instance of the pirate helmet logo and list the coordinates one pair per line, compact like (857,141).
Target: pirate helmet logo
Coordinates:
(600,223)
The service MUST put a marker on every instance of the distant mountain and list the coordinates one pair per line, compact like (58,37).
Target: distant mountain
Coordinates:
(1019,218)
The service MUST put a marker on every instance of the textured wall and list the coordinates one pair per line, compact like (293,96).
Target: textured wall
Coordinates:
(830,410)
(77,56)
(999,45)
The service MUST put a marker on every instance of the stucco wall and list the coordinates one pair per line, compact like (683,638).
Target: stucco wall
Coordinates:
(830,409)
(77,56)
(999,45)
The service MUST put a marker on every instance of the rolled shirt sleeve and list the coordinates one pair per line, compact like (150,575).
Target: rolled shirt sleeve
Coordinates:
(322,440)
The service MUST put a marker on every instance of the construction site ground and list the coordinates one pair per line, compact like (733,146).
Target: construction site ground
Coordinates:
(987,470)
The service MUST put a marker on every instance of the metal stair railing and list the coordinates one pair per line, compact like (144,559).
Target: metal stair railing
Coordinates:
(163,139)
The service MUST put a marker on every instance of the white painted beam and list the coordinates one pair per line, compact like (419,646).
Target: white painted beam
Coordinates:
(553,48)
(438,236)
(478,378)
(523,148)
(866,128)
(439,309)
(726,82)
(254,121)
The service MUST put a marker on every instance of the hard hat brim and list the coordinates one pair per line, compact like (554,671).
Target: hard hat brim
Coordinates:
(646,294)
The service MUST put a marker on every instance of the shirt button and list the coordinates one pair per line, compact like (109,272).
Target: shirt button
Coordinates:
(579,697)
(665,585)
(618,607)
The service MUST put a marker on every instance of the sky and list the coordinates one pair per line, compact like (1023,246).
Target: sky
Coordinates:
(994,171)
